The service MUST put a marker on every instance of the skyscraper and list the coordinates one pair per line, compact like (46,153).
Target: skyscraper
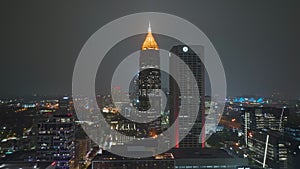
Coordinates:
(148,96)
(190,58)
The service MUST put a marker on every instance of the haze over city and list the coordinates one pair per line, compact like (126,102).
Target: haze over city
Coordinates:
(149,84)
(256,41)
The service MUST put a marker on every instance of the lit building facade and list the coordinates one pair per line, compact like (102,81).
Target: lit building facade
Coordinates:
(277,152)
(82,146)
(190,58)
(147,98)
(56,136)
(256,118)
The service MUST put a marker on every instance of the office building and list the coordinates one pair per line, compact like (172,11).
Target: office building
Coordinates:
(256,118)
(147,97)
(274,155)
(55,137)
(190,58)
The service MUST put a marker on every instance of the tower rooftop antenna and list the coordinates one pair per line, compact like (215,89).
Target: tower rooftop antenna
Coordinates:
(149,27)
(149,42)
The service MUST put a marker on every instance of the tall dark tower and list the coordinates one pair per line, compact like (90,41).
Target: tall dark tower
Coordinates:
(190,58)
(149,83)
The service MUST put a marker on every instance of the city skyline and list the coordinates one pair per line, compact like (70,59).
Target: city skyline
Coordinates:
(183,84)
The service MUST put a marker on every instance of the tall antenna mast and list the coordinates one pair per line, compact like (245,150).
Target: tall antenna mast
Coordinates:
(280,122)
(266,150)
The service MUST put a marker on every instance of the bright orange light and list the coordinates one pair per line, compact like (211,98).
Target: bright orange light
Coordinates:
(149,42)
(153,134)
(233,120)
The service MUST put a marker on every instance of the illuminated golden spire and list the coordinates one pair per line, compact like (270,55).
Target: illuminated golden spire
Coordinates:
(149,42)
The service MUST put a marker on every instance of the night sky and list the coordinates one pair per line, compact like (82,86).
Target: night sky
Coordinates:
(256,40)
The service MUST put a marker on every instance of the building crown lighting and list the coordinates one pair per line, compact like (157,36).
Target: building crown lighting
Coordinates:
(149,42)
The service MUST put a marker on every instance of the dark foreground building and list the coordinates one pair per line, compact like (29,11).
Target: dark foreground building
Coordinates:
(175,158)
(277,152)
(107,160)
(26,165)
(206,158)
